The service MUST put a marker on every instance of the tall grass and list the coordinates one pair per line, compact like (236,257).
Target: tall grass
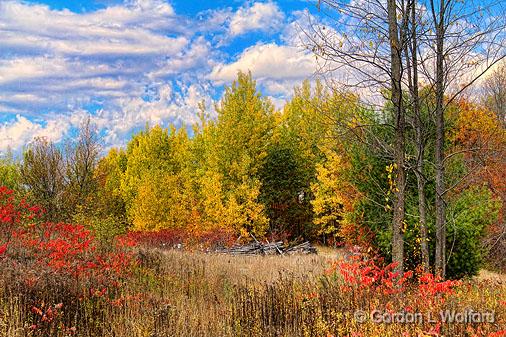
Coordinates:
(174,293)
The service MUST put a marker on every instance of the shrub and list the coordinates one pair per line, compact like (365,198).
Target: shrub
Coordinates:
(469,216)
(51,265)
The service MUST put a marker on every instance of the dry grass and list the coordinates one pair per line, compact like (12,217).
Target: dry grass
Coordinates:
(251,269)
(184,294)
(490,275)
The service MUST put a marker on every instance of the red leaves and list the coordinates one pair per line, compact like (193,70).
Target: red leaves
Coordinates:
(57,248)
(13,212)
(47,318)
(3,249)
(431,285)
(364,274)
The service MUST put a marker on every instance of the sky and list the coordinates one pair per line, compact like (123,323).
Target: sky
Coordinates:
(126,63)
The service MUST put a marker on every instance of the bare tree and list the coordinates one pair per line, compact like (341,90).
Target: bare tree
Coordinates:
(445,45)
(495,92)
(43,173)
(396,50)
(413,29)
(81,159)
(368,43)
(465,44)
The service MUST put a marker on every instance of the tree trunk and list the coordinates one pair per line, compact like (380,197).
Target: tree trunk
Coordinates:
(440,263)
(420,143)
(396,64)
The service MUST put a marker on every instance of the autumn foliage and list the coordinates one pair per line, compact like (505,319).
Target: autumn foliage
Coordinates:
(52,265)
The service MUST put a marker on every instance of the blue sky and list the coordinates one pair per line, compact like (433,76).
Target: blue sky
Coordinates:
(132,62)
(126,63)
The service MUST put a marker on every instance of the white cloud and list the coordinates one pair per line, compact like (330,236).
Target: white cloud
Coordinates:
(166,105)
(129,64)
(22,131)
(267,61)
(260,16)
(197,55)
(21,68)
(114,30)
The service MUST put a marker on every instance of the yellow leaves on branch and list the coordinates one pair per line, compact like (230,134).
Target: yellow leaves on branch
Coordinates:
(334,196)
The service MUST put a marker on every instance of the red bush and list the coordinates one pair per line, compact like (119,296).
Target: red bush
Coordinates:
(45,262)
(363,274)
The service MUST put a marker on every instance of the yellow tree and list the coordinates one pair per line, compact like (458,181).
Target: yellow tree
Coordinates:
(243,132)
(157,185)
(334,197)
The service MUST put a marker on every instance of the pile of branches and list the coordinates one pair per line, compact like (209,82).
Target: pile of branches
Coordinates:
(269,248)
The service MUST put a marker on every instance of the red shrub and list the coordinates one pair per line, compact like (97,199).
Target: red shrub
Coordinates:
(55,263)
(361,273)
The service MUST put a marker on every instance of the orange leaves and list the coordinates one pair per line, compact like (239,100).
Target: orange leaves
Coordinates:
(480,136)
(476,125)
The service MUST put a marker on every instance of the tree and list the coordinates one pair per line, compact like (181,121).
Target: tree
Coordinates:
(449,43)
(334,196)
(372,49)
(396,49)
(108,174)
(243,131)
(284,191)
(495,92)
(105,211)
(43,172)
(81,159)
(478,144)
(156,185)
(465,46)
(10,173)
(291,158)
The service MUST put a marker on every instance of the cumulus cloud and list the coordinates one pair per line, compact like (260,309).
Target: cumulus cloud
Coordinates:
(267,61)
(21,131)
(260,16)
(131,63)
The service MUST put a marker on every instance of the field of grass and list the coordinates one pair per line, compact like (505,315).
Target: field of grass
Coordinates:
(174,293)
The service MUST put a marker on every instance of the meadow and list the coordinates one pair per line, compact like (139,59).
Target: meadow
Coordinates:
(58,284)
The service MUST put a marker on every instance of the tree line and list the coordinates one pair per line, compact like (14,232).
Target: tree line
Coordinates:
(307,170)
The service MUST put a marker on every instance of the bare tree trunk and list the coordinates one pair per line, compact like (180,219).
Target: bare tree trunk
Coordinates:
(399,149)
(419,139)
(440,258)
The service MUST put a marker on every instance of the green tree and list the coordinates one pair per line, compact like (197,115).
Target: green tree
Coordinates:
(43,173)
(469,215)
(10,172)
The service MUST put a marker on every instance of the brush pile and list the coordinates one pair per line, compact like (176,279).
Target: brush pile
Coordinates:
(269,248)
